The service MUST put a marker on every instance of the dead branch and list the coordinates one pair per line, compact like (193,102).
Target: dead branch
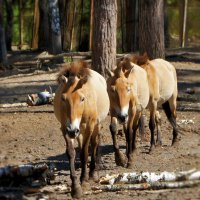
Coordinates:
(24,173)
(148,186)
(149,177)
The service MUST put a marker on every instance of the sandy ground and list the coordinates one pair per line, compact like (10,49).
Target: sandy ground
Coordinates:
(32,135)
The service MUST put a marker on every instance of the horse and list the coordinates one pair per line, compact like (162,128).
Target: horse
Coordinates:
(81,103)
(128,91)
(163,89)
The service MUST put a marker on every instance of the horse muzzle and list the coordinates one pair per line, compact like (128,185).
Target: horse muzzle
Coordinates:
(72,133)
(122,118)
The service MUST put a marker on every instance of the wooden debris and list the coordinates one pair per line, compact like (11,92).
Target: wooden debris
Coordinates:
(148,186)
(27,174)
(149,177)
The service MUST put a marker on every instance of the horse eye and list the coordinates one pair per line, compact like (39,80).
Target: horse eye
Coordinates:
(128,89)
(113,89)
(82,99)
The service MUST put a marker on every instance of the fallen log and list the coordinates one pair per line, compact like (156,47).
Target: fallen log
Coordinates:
(28,173)
(147,186)
(149,177)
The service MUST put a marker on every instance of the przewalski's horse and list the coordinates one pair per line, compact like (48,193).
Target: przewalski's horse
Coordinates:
(162,80)
(129,94)
(81,103)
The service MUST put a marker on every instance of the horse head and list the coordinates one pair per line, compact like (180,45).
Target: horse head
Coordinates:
(120,90)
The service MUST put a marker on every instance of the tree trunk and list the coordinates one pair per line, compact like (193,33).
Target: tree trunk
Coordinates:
(21,23)
(72,30)
(36,23)
(104,36)
(151,28)
(44,26)
(131,25)
(3,50)
(91,21)
(183,22)
(55,30)
(166,26)
(9,26)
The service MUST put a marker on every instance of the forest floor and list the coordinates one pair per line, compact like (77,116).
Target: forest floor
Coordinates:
(32,135)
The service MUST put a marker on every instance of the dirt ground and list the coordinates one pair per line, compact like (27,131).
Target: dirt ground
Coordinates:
(32,135)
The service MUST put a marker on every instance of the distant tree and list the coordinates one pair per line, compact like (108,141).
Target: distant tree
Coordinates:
(43,43)
(3,50)
(151,28)
(55,29)
(104,35)
(36,23)
(9,25)
(131,25)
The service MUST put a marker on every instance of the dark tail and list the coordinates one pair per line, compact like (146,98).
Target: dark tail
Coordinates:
(141,126)
(172,120)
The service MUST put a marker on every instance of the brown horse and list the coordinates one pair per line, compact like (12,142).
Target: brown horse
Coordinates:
(128,91)
(81,103)
(162,80)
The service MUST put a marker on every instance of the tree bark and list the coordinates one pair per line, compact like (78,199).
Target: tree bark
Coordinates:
(91,22)
(55,30)
(36,23)
(104,35)
(9,26)
(44,26)
(3,50)
(131,25)
(151,28)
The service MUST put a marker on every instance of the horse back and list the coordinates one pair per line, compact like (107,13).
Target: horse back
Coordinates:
(165,76)
(140,84)
(98,84)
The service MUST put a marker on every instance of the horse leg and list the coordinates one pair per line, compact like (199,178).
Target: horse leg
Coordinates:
(141,127)
(84,158)
(158,125)
(94,154)
(153,107)
(132,142)
(170,111)
(76,190)
(119,156)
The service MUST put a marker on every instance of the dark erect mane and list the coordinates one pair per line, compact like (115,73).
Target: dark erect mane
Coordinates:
(138,59)
(79,69)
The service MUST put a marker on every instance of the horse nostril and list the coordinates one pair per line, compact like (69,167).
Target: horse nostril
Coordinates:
(77,130)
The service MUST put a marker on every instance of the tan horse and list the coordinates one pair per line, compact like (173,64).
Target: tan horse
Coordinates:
(129,94)
(81,103)
(163,91)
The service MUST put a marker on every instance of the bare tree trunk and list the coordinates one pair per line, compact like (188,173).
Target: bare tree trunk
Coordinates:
(122,24)
(9,26)
(3,50)
(183,22)
(36,23)
(151,28)
(44,25)
(91,21)
(166,26)
(131,25)
(55,30)
(72,30)
(104,35)
(63,7)
(21,24)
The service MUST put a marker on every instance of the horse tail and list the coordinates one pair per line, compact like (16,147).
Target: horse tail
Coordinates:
(141,127)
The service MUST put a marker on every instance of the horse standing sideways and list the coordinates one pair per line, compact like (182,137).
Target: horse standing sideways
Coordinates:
(128,91)
(81,103)
(163,91)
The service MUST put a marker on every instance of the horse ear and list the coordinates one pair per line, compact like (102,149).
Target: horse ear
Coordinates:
(128,72)
(62,79)
(109,72)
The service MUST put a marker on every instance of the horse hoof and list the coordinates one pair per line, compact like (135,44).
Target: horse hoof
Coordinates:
(94,177)
(120,159)
(152,148)
(77,192)
(85,186)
